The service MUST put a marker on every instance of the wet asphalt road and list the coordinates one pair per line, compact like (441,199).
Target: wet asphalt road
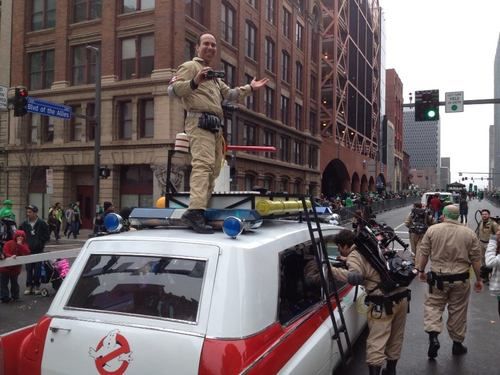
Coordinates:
(483,332)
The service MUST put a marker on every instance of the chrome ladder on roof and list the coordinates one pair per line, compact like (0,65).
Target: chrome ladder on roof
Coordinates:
(321,256)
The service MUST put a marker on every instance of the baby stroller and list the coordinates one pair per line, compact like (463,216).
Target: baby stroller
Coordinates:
(54,273)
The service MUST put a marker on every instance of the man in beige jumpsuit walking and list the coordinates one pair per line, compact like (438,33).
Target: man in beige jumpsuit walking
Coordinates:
(386,328)
(202,93)
(452,249)
(487,228)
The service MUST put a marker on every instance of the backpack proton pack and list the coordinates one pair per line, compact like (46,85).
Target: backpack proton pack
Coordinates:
(394,271)
(419,220)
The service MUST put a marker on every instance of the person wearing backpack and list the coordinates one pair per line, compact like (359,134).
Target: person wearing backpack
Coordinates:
(417,223)
(452,249)
(387,310)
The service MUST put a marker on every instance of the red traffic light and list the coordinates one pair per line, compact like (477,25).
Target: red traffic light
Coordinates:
(23,92)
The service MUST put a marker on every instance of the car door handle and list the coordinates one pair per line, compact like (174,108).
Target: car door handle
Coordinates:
(57,329)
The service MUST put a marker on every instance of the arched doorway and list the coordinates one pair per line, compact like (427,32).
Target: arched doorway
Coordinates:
(364,184)
(335,179)
(371,184)
(355,183)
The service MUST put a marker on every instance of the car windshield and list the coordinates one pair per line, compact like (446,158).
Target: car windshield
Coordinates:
(163,287)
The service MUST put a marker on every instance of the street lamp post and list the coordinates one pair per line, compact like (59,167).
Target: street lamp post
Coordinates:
(97,129)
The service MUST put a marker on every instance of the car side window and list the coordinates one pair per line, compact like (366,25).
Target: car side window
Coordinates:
(300,286)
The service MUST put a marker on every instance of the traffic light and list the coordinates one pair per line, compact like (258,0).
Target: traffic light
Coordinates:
(427,105)
(20,102)
(104,172)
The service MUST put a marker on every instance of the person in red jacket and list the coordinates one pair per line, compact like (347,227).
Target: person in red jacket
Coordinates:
(12,249)
(436,206)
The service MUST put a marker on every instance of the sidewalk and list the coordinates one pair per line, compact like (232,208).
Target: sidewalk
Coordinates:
(65,242)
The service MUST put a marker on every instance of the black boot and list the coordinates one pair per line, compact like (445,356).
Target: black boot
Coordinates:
(196,220)
(374,370)
(390,369)
(458,348)
(433,345)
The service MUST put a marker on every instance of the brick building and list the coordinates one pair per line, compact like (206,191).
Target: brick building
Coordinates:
(141,43)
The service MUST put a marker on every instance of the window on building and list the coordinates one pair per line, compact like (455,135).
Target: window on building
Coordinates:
(250,38)
(287,23)
(314,87)
(268,183)
(313,157)
(76,133)
(136,186)
(43,14)
(283,185)
(313,122)
(146,118)
(189,49)
(135,5)
(124,120)
(47,125)
(137,57)
(284,148)
(83,65)
(41,69)
(250,100)
(90,122)
(85,10)
(285,66)
(299,76)
(271,10)
(269,102)
(299,35)
(249,135)
(298,156)
(298,116)
(230,71)
(285,110)
(249,182)
(195,10)
(269,48)
(253,3)
(228,23)
(269,140)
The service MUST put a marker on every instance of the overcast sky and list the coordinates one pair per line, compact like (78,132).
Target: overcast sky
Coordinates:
(448,45)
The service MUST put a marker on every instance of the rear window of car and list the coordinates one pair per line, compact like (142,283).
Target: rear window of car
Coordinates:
(159,287)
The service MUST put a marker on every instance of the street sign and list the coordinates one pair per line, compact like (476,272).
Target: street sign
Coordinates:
(46,108)
(454,101)
(3,97)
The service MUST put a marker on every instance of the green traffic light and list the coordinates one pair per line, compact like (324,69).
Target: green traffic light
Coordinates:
(431,114)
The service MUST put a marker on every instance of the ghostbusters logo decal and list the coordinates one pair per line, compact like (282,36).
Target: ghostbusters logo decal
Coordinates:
(112,354)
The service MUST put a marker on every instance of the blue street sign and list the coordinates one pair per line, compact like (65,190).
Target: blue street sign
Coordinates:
(46,108)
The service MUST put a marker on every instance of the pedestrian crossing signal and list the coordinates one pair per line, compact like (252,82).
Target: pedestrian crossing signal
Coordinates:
(104,172)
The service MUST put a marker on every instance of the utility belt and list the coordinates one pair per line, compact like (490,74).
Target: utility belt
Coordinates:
(435,280)
(386,302)
(207,121)
(484,241)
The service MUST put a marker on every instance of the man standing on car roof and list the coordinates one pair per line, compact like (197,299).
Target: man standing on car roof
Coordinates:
(202,93)
(452,249)
(387,312)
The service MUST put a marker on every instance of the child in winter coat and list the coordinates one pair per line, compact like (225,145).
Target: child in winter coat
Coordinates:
(492,260)
(12,249)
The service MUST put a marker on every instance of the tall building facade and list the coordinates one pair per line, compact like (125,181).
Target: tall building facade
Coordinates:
(445,175)
(350,96)
(421,140)
(394,114)
(491,154)
(141,44)
(496,120)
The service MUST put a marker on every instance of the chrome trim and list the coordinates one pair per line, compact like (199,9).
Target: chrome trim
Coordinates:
(124,324)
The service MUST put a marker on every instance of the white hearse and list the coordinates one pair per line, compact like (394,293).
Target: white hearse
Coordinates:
(171,301)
